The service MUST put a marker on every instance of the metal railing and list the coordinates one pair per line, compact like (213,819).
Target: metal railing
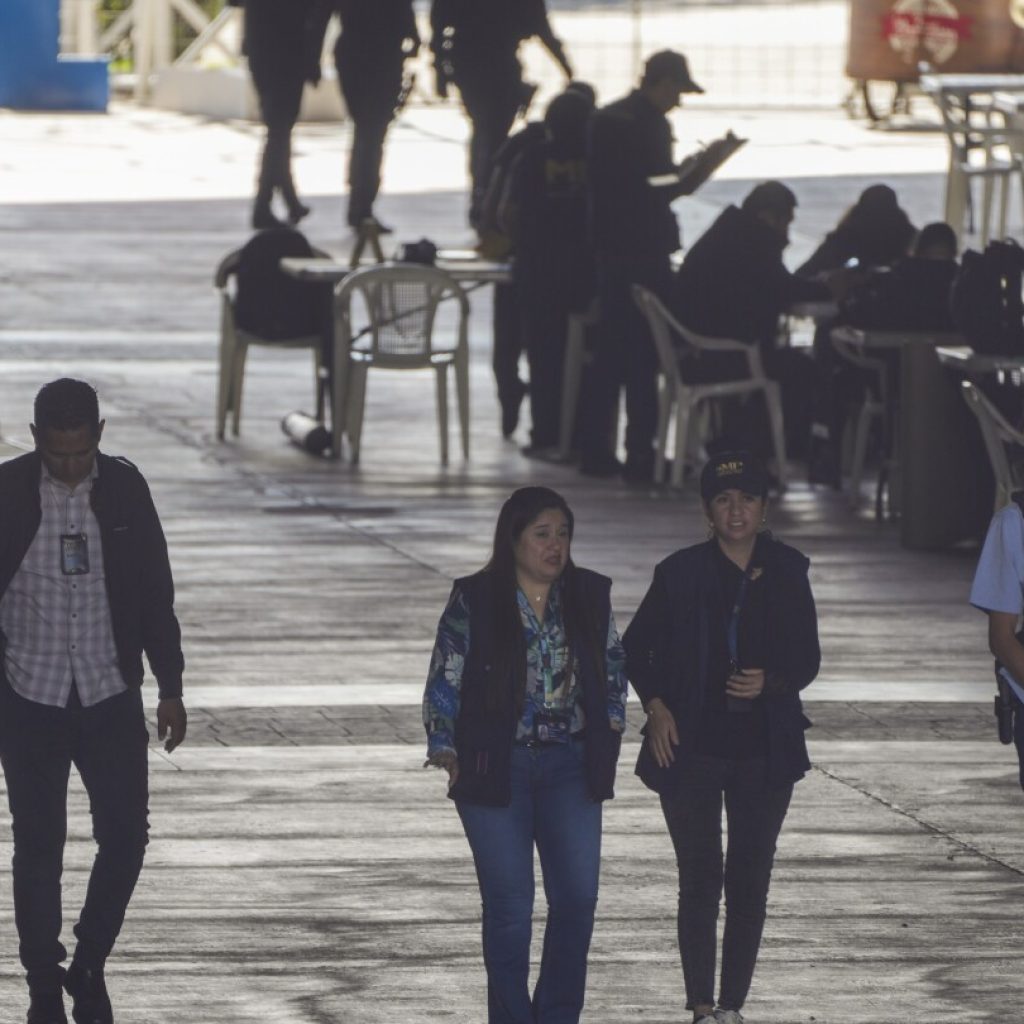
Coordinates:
(746,54)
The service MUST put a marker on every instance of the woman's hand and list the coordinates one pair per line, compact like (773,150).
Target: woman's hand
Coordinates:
(746,684)
(661,732)
(446,759)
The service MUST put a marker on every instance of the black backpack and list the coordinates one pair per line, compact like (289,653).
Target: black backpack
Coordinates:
(986,299)
(270,303)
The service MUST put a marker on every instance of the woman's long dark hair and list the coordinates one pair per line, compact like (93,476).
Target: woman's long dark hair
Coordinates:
(509,656)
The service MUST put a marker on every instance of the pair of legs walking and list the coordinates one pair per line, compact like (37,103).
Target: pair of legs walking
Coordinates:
(371,84)
(693,813)
(279,86)
(624,356)
(107,743)
(552,808)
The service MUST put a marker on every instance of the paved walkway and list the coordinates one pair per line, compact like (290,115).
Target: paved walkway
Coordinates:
(303,867)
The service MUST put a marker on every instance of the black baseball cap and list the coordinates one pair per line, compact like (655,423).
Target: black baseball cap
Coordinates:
(737,469)
(670,64)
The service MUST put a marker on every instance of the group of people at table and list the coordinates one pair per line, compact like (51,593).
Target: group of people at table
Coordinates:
(582,202)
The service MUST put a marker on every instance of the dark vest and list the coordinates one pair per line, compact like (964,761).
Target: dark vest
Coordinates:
(484,738)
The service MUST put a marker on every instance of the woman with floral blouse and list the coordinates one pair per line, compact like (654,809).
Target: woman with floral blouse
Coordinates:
(524,708)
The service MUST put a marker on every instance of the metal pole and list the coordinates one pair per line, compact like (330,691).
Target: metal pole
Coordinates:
(163,35)
(87,31)
(638,42)
(142,45)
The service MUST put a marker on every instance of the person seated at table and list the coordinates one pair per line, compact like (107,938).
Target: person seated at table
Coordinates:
(544,210)
(912,295)
(874,232)
(733,283)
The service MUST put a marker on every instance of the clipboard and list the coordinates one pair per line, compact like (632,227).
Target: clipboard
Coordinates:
(699,166)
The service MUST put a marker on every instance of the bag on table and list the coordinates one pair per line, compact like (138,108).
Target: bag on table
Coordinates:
(986,299)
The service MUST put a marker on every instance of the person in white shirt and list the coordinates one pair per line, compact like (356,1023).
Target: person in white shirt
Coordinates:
(998,589)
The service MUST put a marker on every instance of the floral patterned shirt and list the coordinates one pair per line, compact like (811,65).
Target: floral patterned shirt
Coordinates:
(551,678)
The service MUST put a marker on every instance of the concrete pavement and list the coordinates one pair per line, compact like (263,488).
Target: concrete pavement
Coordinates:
(303,867)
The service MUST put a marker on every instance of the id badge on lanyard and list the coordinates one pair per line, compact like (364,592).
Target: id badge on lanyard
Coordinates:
(74,554)
(736,704)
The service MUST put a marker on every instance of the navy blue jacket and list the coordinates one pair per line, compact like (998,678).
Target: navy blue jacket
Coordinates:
(484,738)
(667,653)
(631,220)
(139,585)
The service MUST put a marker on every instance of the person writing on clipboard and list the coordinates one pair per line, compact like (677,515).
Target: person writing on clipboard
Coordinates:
(632,180)
(998,589)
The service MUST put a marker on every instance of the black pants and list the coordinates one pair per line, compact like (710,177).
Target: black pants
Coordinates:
(107,743)
(508,347)
(694,816)
(279,86)
(372,89)
(545,320)
(624,355)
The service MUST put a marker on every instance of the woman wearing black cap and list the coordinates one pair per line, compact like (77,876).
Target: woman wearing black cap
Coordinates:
(719,650)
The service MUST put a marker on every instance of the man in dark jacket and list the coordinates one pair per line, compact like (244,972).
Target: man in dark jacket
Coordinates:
(85,589)
(734,284)
(476,46)
(632,181)
(912,295)
(546,210)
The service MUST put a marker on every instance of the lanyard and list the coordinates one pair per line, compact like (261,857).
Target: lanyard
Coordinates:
(52,491)
(732,630)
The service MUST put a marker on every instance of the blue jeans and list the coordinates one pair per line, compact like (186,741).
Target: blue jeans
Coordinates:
(550,806)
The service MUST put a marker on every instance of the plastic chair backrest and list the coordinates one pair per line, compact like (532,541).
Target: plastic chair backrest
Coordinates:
(996,433)
(268,302)
(661,323)
(400,300)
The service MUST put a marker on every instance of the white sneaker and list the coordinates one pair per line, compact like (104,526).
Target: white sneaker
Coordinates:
(728,1017)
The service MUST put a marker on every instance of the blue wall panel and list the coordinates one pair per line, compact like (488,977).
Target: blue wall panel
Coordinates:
(33,76)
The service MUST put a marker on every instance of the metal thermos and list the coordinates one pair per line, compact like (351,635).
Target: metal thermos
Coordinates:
(308,433)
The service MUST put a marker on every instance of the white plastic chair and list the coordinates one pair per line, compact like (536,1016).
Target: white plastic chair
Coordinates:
(675,394)
(873,408)
(234,347)
(400,302)
(981,146)
(997,434)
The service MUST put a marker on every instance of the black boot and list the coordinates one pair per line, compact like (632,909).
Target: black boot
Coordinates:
(89,992)
(46,1005)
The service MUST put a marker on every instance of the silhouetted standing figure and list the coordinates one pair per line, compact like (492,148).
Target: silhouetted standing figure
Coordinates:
(476,47)
(283,49)
(376,39)
(632,181)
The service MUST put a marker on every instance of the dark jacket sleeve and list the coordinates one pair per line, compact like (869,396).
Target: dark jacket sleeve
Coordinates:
(645,642)
(161,634)
(798,652)
(833,252)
